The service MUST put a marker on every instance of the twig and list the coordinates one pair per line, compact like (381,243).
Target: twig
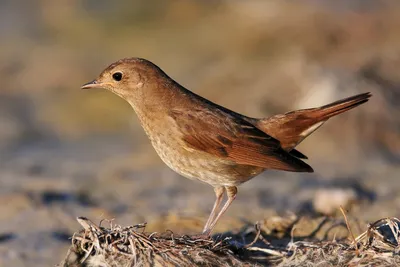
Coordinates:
(257,227)
(266,250)
(350,231)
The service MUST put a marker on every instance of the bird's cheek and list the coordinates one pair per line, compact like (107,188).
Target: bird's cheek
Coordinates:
(140,85)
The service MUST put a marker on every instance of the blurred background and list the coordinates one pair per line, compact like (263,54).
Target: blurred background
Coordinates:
(66,153)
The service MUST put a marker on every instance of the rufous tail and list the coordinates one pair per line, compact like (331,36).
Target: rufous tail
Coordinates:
(291,128)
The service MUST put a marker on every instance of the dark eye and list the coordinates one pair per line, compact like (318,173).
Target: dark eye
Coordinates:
(117,76)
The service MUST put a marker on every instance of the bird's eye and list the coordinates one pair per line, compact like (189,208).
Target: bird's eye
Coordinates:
(117,76)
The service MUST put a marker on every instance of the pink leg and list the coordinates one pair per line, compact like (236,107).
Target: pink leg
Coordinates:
(219,193)
(231,191)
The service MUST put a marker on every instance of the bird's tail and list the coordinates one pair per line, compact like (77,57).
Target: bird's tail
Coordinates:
(291,128)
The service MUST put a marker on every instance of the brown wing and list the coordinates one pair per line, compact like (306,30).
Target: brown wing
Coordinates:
(228,136)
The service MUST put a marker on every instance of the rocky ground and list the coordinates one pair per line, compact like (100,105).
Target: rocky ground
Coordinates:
(45,188)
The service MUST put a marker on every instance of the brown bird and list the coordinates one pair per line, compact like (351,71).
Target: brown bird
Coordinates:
(204,141)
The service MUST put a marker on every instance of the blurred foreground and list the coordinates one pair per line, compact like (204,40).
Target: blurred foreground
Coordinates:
(66,153)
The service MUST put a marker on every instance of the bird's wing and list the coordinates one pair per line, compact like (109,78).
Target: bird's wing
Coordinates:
(228,136)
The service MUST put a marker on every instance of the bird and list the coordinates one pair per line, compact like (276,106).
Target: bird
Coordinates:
(204,141)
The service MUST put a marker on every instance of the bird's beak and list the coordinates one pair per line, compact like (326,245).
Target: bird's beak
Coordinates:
(91,85)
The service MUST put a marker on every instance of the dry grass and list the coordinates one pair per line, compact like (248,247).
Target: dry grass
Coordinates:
(252,246)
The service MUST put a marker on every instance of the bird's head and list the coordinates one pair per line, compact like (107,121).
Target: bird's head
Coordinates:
(127,77)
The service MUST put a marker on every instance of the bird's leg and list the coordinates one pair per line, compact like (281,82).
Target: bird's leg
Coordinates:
(231,192)
(219,193)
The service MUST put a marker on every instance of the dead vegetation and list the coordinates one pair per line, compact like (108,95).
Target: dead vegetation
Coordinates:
(260,245)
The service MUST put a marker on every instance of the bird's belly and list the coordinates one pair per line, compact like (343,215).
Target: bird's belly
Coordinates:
(202,166)
(194,164)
